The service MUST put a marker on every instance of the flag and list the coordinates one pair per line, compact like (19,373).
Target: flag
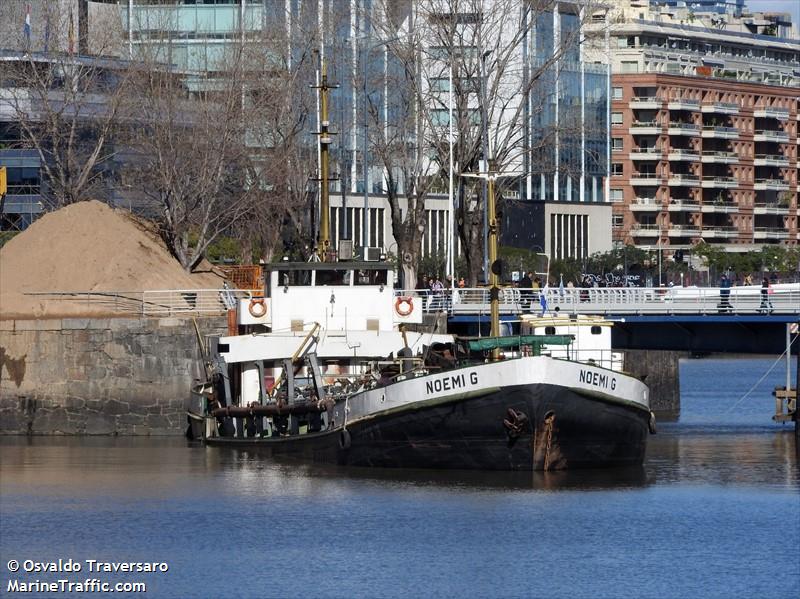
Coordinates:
(26,28)
(71,35)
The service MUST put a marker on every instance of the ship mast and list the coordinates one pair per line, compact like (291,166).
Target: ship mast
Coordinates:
(324,238)
(495,266)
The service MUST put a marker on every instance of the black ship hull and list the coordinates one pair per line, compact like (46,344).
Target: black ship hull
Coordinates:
(524,427)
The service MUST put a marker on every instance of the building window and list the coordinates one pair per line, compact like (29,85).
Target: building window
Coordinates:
(630,66)
(616,93)
(616,118)
(569,236)
(617,221)
(616,144)
(615,195)
(616,169)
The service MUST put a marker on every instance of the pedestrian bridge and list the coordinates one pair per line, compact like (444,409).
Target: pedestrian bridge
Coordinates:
(783,299)
(693,319)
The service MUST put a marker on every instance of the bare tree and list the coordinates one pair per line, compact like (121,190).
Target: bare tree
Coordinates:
(400,148)
(67,107)
(281,149)
(189,151)
(503,97)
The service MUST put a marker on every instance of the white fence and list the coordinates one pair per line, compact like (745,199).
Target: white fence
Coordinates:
(159,303)
(782,299)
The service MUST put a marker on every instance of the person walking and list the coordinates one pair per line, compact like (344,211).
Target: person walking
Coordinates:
(525,294)
(725,294)
(766,303)
(438,294)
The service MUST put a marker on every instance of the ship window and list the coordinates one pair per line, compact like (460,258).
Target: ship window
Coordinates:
(333,277)
(596,330)
(549,330)
(295,277)
(370,277)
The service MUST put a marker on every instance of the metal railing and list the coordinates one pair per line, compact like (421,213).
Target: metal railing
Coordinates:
(719,154)
(160,303)
(780,135)
(683,126)
(784,299)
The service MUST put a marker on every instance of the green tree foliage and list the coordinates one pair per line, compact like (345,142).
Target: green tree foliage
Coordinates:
(769,259)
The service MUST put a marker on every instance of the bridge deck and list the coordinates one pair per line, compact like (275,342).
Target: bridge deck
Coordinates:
(783,301)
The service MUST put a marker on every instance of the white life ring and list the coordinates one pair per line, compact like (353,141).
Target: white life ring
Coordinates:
(404,300)
(258,307)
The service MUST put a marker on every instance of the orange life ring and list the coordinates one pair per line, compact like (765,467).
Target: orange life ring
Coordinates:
(258,307)
(401,301)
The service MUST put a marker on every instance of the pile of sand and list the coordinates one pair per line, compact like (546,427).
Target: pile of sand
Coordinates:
(86,247)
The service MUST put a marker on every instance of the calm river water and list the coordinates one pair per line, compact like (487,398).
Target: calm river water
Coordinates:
(714,512)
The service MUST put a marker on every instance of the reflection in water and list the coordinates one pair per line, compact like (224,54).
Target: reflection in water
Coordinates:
(617,478)
(705,517)
(765,458)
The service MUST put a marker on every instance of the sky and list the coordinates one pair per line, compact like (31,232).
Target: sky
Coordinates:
(790,6)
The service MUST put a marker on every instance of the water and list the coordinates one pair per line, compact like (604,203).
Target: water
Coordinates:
(714,512)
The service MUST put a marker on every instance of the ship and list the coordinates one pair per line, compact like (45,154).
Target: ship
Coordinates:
(324,366)
(328,363)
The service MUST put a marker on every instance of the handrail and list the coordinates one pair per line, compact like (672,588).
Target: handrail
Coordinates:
(785,299)
(156,303)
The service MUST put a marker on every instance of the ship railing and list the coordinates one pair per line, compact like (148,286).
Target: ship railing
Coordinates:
(783,298)
(604,358)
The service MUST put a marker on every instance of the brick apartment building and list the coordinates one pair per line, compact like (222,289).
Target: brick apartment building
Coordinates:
(704,111)
(698,158)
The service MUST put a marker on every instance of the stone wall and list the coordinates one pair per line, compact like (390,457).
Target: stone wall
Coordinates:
(125,376)
(661,373)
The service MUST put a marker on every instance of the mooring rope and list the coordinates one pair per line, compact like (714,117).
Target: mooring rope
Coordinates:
(774,364)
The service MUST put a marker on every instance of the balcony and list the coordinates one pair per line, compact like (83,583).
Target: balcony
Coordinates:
(770,208)
(771,184)
(646,102)
(676,205)
(770,160)
(720,182)
(771,113)
(646,179)
(645,128)
(721,208)
(719,232)
(715,132)
(683,231)
(770,233)
(717,157)
(640,230)
(683,129)
(645,205)
(683,104)
(677,154)
(681,179)
(720,108)
(767,135)
(645,154)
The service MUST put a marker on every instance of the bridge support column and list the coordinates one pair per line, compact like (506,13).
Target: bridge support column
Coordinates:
(660,371)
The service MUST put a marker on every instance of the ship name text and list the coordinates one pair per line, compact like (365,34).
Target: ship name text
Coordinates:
(451,383)
(598,379)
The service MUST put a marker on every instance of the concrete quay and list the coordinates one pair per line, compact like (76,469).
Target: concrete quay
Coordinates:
(131,376)
(98,376)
